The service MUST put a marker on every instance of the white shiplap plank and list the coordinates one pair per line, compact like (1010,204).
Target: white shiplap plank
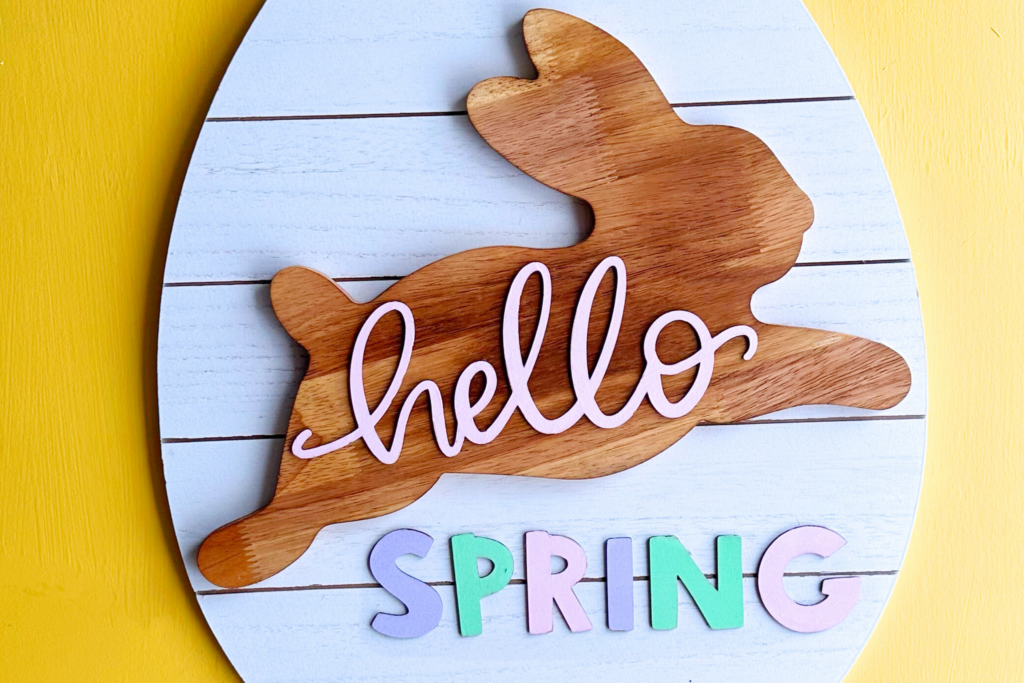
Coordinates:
(738,479)
(324,636)
(306,57)
(378,197)
(227,368)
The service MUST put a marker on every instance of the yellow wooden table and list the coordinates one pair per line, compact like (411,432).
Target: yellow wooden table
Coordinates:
(100,104)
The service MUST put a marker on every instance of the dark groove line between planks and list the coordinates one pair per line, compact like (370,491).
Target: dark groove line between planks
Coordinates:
(388,278)
(462,112)
(513,582)
(862,262)
(745,423)
(223,283)
(783,100)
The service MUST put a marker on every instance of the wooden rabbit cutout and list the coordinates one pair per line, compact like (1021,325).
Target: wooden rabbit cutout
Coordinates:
(694,218)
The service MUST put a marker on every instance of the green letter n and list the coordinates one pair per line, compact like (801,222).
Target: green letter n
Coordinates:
(721,607)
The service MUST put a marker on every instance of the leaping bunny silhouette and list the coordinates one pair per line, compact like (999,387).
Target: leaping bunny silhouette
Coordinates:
(699,216)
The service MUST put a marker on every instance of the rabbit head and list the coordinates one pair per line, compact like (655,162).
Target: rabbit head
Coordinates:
(595,125)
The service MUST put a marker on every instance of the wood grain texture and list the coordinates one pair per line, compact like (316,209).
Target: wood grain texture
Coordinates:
(707,206)
(334,639)
(372,197)
(309,58)
(707,484)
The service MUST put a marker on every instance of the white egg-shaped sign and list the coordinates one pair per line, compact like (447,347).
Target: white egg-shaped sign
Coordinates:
(381,331)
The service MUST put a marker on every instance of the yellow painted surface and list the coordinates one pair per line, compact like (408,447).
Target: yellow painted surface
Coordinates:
(100,104)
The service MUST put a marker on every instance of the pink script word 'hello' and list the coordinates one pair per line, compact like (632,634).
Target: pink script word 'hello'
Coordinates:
(585,384)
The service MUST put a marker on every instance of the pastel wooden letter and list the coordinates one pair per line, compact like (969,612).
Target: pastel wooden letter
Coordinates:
(470,587)
(721,607)
(841,594)
(544,588)
(423,604)
(618,569)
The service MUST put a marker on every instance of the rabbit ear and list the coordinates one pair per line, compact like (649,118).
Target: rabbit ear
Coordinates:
(563,45)
(571,127)
(307,302)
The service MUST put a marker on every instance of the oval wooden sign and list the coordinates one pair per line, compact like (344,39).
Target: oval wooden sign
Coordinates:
(371,319)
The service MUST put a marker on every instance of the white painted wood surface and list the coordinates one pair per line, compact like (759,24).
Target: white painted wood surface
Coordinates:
(365,197)
(361,197)
(305,57)
(327,636)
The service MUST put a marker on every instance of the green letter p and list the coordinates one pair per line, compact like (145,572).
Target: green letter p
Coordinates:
(470,587)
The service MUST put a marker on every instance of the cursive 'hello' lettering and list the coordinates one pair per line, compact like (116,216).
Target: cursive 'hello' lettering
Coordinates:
(585,384)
